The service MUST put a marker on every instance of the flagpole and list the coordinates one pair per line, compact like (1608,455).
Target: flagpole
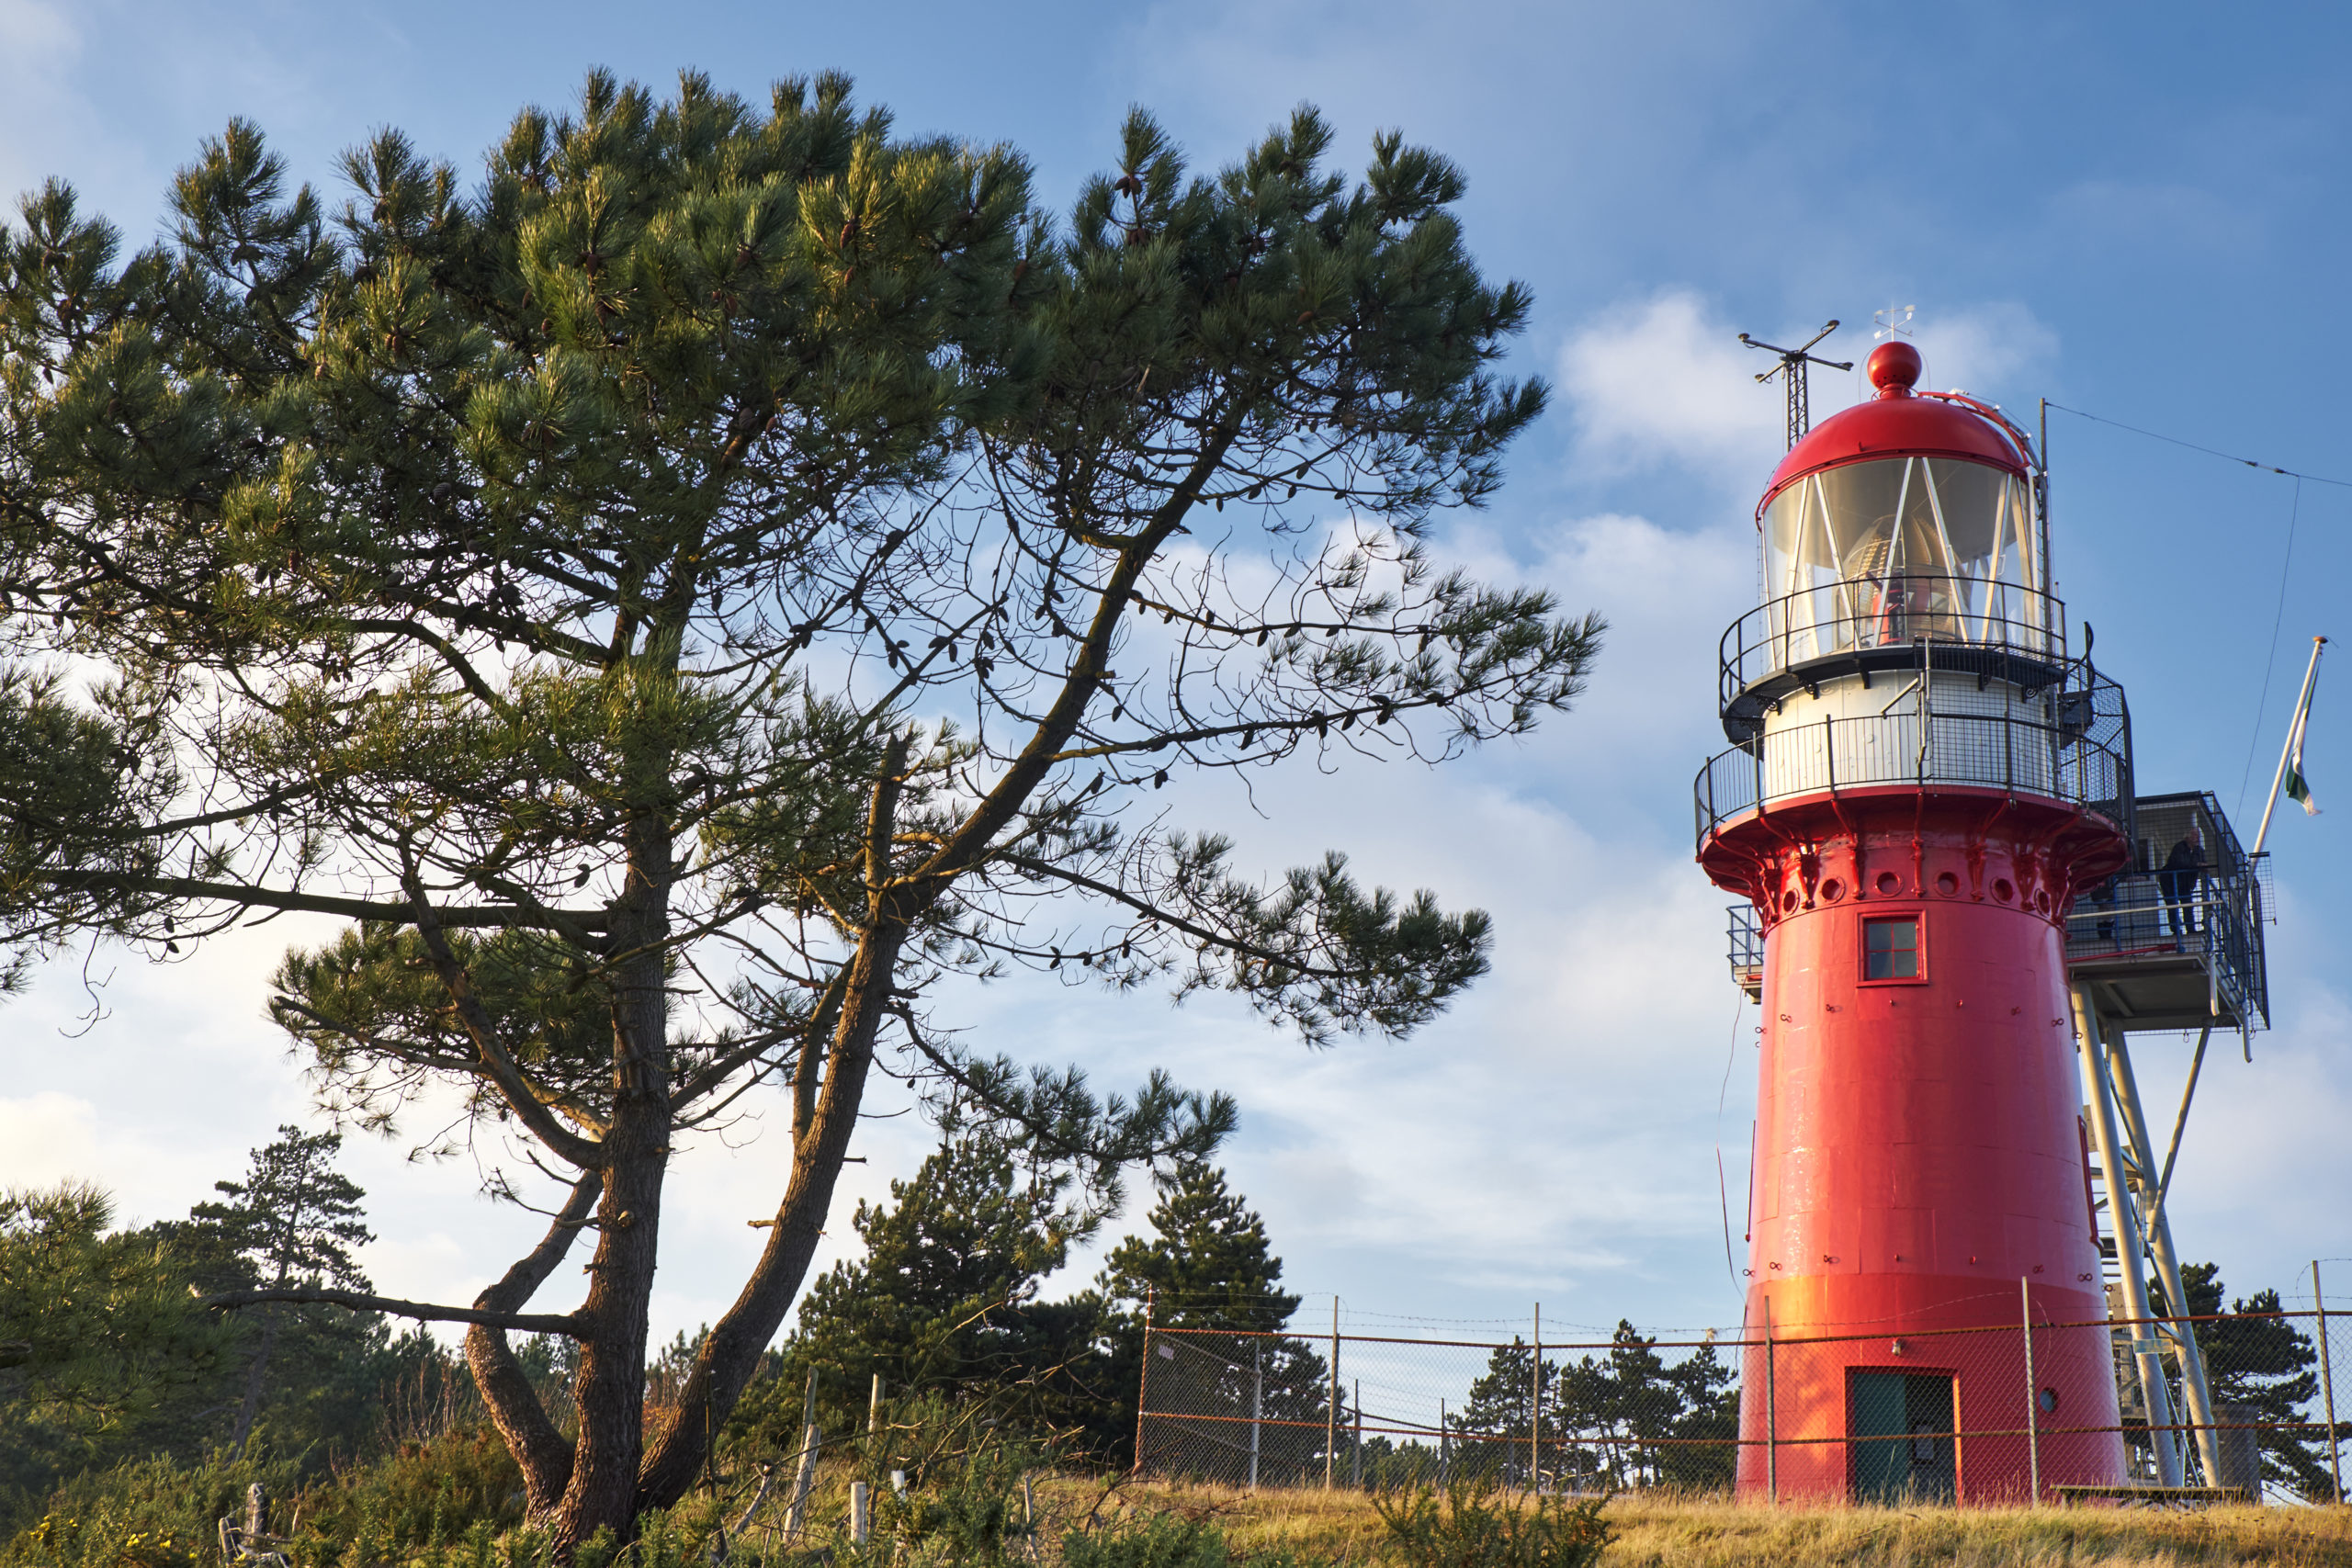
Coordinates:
(2311,673)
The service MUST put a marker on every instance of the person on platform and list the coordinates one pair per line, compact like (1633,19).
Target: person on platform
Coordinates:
(2184,882)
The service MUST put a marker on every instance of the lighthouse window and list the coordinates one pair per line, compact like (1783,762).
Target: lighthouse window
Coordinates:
(1891,949)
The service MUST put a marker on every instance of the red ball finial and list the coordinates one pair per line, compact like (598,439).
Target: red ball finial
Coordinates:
(1894,369)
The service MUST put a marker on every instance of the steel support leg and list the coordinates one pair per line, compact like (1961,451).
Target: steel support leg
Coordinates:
(2196,1390)
(2129,1251)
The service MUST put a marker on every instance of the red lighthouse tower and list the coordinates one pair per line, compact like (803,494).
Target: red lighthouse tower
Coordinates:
(1920,780)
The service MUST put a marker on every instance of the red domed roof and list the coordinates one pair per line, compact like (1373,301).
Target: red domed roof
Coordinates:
(1898,423)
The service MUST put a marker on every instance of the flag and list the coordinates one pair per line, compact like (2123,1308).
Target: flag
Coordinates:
(2296,788)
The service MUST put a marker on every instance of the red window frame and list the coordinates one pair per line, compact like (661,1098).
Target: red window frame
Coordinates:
(1918,920)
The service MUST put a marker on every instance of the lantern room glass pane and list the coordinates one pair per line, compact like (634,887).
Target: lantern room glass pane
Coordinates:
(1901,549)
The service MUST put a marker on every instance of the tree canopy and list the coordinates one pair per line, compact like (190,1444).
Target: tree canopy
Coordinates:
(293,1220)
(688,594)
(945,1299)
(2258,1361)
(1207,1263)
(97,1334)
(1625,1418)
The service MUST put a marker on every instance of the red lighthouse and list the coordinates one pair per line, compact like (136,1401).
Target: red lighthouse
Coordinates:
(1922,780)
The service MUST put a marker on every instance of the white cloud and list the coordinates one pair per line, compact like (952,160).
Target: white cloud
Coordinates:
(49,1138)
(1666,380)
(34,39)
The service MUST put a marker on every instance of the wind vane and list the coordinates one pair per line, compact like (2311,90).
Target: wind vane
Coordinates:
(1894,321)
(1792,370)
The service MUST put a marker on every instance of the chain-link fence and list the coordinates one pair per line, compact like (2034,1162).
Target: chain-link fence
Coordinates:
(2044,1409)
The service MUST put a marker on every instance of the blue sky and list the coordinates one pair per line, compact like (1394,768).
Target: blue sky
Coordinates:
(2145,220)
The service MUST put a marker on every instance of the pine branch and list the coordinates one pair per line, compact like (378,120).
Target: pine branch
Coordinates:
(565,1323)
(195,890)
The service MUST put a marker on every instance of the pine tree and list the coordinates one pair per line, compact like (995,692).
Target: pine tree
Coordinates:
(1707,1393)
(1208,1264)
(1618,1420)
(1207,1268)
(943,1300)
(292,1220)
(2259,1360)
(1497,1419)
(720,540)
(100,1344)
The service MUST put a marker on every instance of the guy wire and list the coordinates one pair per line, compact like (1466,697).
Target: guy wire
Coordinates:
(2253,740)
(1723,1189)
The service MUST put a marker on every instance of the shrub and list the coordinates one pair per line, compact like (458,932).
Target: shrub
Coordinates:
(422,1496)
(151,1513)
(1476,1529)
(1161,1540)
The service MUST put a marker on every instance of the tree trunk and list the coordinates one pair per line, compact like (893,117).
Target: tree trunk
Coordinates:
(250,1407)
(514,1405)
(731,1354)
(600,1493)
(820,1134)
(602,1490)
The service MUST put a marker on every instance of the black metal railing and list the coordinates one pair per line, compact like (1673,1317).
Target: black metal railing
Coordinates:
(2134,920)
(2209,919)
(1988,629)
(1745,943)
(2212,911)
(1922,747)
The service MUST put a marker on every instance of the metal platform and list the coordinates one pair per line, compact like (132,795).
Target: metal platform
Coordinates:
(2157,949)
(2180,950)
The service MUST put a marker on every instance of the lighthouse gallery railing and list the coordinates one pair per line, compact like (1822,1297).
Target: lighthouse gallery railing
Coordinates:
(1926,749)
(1970,620)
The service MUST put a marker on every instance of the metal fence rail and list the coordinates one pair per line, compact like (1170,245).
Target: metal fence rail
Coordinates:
(1776,1413)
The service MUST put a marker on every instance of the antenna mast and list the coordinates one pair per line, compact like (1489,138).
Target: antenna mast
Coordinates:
(1792,371)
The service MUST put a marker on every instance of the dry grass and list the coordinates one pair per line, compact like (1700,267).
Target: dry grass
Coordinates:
(1336,1527)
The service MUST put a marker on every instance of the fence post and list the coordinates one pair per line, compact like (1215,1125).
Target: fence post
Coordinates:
(1772,1414)
(1535,1408)
(1444,1448)
(859,1513)
(1331,1408)
(1142,1380)
(1355,1451)
(1257,1404)
(2033,1393)
(874,1408)
(795,1518)
(2327,1384)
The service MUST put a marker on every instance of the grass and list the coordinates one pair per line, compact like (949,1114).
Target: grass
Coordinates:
(444,1506)
(1655,1531)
